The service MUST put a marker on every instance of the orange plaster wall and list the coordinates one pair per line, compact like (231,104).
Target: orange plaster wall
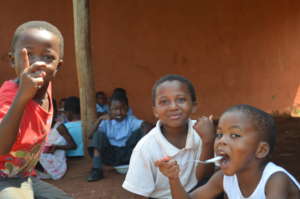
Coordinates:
(233,51)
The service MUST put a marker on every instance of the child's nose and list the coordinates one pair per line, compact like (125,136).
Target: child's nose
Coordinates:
(36,60)
(173,105)
(223,140)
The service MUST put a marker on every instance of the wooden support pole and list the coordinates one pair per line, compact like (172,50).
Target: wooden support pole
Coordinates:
(84,65)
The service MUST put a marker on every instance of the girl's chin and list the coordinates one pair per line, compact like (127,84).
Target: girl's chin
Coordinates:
(224,165)
(228,173)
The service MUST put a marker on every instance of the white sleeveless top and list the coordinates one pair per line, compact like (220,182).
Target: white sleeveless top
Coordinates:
(232,189)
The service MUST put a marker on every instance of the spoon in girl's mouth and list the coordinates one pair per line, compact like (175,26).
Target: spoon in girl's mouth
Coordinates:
(212,160)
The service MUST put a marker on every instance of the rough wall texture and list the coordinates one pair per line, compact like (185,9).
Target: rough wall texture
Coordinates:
(233,51)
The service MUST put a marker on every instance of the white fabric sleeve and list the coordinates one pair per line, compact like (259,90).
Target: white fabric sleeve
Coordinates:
(140,176)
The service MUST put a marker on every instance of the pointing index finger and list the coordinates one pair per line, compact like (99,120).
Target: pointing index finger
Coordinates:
(25,60)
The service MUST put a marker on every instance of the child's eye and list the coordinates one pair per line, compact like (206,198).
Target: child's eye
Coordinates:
(219,135)
(234,135)
(49,57)
(163,102)
(181,100)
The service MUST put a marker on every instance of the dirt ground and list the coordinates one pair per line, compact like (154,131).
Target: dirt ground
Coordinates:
(74,182)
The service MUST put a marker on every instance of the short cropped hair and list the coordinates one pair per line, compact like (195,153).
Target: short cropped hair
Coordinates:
(42,25)
(119,97)
(72,104)
(100,93)
(121,91)
(263,122)
(174,77)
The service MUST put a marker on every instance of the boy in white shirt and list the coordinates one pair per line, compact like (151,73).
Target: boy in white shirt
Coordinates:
(174,100)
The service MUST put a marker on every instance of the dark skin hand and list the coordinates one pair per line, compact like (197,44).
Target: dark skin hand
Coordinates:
(63,131)
(96,124)
(206,130)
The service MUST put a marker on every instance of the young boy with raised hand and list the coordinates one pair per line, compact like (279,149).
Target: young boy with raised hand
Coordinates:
(245,139)
(26,110)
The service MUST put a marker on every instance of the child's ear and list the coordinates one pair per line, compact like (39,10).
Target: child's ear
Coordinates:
(58,66)
(11,59)
(263,150)
(60,62)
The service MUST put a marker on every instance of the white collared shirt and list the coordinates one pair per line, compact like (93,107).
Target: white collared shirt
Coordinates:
(143,178)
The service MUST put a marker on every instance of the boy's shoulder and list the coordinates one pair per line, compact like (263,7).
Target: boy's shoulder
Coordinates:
(132,118)
(148,141)
(8,90)
(9,86)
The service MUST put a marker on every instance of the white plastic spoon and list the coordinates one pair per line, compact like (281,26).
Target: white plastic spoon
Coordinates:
(212,160)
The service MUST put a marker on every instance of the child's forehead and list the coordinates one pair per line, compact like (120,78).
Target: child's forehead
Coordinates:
(34,36)
(172,86)
(117,103)
(235,118)
(101,95)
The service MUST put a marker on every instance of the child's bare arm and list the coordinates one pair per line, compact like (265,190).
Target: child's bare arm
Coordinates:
(63,131)
(30,80)
(206,130)
(177,189)
(170,169)
(279,186)
(211,189)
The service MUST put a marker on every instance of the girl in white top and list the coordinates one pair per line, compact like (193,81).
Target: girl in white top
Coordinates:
(245,138)
(175,136)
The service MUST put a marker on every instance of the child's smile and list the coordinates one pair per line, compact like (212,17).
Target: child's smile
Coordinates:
(118,110)
(173,104)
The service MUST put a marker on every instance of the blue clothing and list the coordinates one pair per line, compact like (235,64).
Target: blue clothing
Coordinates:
(130,112)
(75,130)
(118,132)
(101,108)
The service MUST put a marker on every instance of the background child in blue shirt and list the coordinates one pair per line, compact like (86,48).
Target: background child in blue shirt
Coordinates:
(101,103)
(115,138)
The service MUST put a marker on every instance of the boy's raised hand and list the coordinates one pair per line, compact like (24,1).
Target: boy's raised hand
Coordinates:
(168,167)
(32,76)
(205,128)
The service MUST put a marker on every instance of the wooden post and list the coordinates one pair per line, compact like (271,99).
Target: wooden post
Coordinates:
(84,65)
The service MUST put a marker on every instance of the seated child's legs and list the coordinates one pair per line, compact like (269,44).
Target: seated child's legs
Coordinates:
(98,142)
(115,156)
(16,188)
(103,152)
